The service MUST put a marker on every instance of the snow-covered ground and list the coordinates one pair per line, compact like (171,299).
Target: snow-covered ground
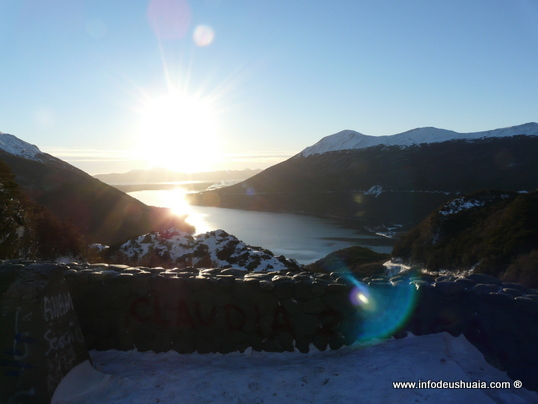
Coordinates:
(348,375)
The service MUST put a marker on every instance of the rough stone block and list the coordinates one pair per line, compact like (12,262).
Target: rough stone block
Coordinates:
(302,290)
(320,342)
(208,345)
(338,302)
(338,288)
(40,337)
(485,279)
(314,306)
(318,287)
(266,325)
(141,285)
(162,342)
(448,288)
(335,341)
(305,325)
(303,344)
(183,346)
(255,340)
(283,289)
(467,283)
(528,306)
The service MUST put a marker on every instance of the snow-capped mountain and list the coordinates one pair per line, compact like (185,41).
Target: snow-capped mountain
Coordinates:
(389,180)
(349,139)
(102,213)
(14,145)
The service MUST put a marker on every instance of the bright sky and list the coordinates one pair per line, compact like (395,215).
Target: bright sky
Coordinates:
(198,85)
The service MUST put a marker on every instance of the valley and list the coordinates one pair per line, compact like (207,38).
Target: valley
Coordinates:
(348,190)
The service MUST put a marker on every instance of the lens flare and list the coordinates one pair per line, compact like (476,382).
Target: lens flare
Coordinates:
(382,308)
(250,191)
(360,296)
(379,308)
(203,35)
(170,19)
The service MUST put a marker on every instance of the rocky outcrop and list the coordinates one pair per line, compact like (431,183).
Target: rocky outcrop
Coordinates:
(216,248)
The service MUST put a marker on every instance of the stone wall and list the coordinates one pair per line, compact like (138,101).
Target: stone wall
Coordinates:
(40,338)
(226,310)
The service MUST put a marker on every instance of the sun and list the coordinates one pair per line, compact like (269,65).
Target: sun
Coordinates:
(177,131)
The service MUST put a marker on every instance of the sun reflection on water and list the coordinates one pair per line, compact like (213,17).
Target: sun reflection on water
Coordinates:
(176,200)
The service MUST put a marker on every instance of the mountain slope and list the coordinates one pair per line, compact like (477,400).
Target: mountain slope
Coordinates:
(493,232)
(101,212)
(30,231)
(383,185)
(348,139)
(15,233)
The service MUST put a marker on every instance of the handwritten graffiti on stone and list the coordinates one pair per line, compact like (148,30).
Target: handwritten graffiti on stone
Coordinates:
(60,340)
(57,306)
(193,315)
(19,351)
(22,339)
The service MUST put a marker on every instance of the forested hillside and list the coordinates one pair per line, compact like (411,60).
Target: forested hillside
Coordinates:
(493,232)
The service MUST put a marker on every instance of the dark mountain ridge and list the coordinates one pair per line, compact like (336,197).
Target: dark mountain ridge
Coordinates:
(383,185)
(102,213)
(30,231)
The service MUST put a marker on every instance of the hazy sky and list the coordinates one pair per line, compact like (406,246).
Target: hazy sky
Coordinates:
(211,84)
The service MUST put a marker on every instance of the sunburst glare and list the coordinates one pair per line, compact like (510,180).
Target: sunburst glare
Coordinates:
(177,131)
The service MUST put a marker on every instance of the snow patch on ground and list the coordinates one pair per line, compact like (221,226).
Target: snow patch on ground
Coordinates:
(348,375)
(79,382)
(460,204)
(394,267)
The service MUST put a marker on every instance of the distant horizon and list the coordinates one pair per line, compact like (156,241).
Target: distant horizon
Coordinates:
(84,158)
(119,162)
(175,172)
(209,85)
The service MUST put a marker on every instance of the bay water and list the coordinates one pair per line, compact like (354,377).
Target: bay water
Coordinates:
(301,237)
